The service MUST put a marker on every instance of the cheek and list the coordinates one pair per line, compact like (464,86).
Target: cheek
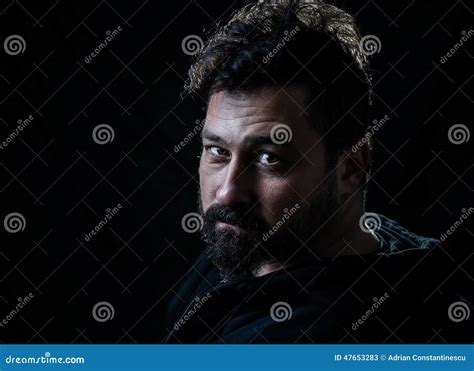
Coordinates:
(276,196)
(207,186)
(298,188)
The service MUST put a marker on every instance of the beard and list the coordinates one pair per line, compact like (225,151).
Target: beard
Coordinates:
(241,252)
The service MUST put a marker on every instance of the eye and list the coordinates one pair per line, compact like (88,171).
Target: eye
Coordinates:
(267,158)
(216,151)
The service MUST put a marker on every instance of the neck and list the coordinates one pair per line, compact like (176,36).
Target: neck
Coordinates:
(348,240)
(345,237)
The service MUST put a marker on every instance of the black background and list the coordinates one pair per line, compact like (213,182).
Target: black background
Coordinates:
(62,182)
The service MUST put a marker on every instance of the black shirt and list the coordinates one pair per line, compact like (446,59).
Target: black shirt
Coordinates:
(391,296)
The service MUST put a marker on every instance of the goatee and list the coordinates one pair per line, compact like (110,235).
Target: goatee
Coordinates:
(240,242)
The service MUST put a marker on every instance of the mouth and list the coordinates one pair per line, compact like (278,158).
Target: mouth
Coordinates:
(223,224)
(226,225)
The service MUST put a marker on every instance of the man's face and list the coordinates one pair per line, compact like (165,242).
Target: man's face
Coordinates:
(251,176)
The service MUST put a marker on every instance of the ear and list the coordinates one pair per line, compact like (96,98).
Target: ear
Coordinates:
(353,168)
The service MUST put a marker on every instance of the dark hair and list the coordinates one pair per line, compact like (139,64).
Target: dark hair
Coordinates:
(292,42)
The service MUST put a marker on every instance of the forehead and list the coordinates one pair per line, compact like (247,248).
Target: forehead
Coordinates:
(234,117)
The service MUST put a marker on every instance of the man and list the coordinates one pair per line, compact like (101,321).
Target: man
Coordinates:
(292,255)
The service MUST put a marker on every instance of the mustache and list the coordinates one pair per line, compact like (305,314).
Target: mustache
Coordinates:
(234,216)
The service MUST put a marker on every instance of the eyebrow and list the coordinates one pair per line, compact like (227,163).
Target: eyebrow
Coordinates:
(252,139)
(212,137)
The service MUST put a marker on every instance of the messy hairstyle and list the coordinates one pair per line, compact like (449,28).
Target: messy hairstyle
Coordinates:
(291,42)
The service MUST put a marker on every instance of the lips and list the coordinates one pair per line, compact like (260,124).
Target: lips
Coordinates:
(236,228)
(217,217)
(233,226)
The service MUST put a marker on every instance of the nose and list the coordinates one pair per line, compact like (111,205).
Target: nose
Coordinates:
(237,185)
